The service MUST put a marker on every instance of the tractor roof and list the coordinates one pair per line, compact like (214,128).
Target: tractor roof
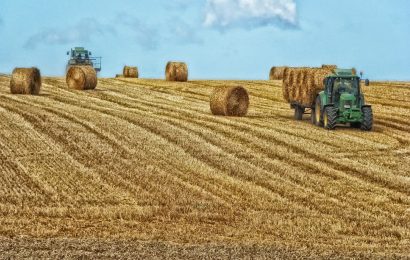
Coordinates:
(80,50)
(343,73)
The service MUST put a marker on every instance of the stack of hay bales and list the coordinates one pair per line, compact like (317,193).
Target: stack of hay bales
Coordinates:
(25,81)
(327,66)
(229,101)
(301,85)
(81,77)
(130,72)
(277,73)
(176,71)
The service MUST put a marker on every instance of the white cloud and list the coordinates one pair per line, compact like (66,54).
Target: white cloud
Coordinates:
(83,31)
(250,13)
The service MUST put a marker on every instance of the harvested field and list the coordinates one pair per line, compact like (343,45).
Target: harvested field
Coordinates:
(142,167)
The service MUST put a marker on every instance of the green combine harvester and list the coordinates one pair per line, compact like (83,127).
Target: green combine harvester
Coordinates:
(342,102)
(79,56)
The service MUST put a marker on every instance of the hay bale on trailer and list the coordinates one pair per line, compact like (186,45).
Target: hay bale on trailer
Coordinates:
(286,83)
(277,73)
(25,81)
(329,67)
(229,101)
(130,72)
(301,85)
(176,71)
(81,78)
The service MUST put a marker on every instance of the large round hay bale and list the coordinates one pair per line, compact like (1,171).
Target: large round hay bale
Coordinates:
(25,81)
(277,73)
(176,71)
(130,72)
(229,101)
(81,77)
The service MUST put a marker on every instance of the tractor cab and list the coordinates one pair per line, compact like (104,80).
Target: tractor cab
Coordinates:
(343,90)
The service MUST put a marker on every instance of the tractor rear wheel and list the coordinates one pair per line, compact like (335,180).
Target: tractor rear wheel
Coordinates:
(299,111)
(367,123)
(330,118)
(318,113)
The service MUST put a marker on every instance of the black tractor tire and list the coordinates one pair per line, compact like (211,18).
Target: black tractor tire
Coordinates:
(367,124)
(330,118)
(299,112)
(367,82)
(318,113)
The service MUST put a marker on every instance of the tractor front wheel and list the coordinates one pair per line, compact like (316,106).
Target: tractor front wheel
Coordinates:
(367,123)
(330,118)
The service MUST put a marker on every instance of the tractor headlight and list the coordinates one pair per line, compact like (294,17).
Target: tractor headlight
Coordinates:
(347,106)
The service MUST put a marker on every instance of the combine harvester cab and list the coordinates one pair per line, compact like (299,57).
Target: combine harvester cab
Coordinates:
(342,102)
(79,56)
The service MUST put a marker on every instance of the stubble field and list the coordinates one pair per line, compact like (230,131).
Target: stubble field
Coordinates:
(141,168)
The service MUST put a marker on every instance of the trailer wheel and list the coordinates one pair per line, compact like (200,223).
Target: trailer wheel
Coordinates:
(330,118)
(299,111)
(313,115)
(367,123)
(318,112)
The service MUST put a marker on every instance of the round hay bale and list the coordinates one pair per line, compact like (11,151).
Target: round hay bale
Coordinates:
(81,77)
(285,83)
(277,73)
(354,71)
(229,101)
(25,81)
(130,72)
(176,71)
(329,67)
(292,84)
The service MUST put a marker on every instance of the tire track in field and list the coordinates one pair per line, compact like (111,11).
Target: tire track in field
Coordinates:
(64,100)
(336,165)
(30,117)
(184,120)
(154,130)
(177,182)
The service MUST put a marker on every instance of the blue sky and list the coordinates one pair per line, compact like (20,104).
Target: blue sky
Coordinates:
(219,39)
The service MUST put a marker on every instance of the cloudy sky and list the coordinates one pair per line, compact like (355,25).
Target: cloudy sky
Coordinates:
(229,39)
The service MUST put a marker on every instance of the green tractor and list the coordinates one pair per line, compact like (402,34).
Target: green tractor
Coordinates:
(342,102)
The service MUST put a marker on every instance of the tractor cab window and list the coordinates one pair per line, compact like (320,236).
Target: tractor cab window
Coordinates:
(344,85)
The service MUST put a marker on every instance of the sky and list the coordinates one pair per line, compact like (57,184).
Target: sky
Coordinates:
(218,39)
